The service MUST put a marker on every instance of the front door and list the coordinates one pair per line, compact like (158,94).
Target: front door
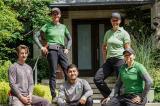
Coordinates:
(87,41)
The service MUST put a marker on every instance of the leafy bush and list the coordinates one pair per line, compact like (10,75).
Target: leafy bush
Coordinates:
(39,90)
(4,90)
(157,97)
(144,50)
(4,70)
(42,91)
(155,73)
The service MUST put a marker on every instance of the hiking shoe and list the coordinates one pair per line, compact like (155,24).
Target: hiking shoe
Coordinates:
(54,100)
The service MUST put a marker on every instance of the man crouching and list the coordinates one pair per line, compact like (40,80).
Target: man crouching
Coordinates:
(75,91)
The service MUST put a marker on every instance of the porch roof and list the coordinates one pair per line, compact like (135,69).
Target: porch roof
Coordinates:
(77,3)
(74,5)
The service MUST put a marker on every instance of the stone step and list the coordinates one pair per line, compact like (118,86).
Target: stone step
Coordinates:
(89,79)
(98,104)
(148,104)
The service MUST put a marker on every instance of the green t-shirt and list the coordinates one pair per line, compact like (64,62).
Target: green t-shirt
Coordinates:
(115,41)
(55,34)
(132,78)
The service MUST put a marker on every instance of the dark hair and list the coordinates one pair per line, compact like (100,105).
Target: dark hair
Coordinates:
(20,47)
(72,66)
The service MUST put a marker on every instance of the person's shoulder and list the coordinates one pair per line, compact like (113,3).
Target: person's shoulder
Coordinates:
(63,25)
(139,65)
(64,85)
(13,66)
(122,67)
(109,31)
(28,66)
(83,81)
(123,30)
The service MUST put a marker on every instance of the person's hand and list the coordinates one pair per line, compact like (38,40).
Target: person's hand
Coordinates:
(66,51)
(44,50)
(29,98)
(82,101)
(136,99)
(104,101)
(24,100)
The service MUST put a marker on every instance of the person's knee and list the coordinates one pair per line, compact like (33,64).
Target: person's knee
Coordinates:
(89,100)
(61,102)
(113,102)
(97,79)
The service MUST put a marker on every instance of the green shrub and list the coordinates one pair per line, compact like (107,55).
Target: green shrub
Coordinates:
(4,70)
(157,97)
(4,90)
(42,91)
(155,73)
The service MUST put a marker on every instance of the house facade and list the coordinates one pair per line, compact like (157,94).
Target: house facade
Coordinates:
(87,21)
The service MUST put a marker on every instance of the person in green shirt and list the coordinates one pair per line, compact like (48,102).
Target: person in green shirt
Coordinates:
(136,83)
(115,41)
(55,50)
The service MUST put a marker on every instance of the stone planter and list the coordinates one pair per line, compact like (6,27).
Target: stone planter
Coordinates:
(150,95)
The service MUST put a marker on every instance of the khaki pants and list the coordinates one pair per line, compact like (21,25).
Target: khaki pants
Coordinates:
(36,101)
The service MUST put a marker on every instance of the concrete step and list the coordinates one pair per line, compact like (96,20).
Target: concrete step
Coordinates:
(98,104)
(148,104)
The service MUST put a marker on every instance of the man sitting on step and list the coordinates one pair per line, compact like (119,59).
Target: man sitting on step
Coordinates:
(75,91)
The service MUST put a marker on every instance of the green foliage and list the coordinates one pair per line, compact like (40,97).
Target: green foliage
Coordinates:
(42,91)
(42,67)
(142,37)
(157,97)
(143,51)
(9,27)
(4,90)
(39,90)
(19,20)
(155,73)
(4,65)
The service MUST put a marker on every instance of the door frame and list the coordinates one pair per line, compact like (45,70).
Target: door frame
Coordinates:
(94,39)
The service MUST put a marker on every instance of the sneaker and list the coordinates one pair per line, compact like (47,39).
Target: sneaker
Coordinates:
(54,100)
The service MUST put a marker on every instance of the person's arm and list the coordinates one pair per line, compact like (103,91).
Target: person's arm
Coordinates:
(104,52)
(69,38)
(87,90)
(36,38)
(31,83)
(104,47)
(61,96)
(148,81)
(118,86)
(126,40)
(12,81)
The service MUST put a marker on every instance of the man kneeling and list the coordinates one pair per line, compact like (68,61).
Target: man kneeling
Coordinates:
(75,91)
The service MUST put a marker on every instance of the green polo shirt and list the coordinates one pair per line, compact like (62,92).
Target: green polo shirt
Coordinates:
(115,41)
(55,34)
(131,78)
